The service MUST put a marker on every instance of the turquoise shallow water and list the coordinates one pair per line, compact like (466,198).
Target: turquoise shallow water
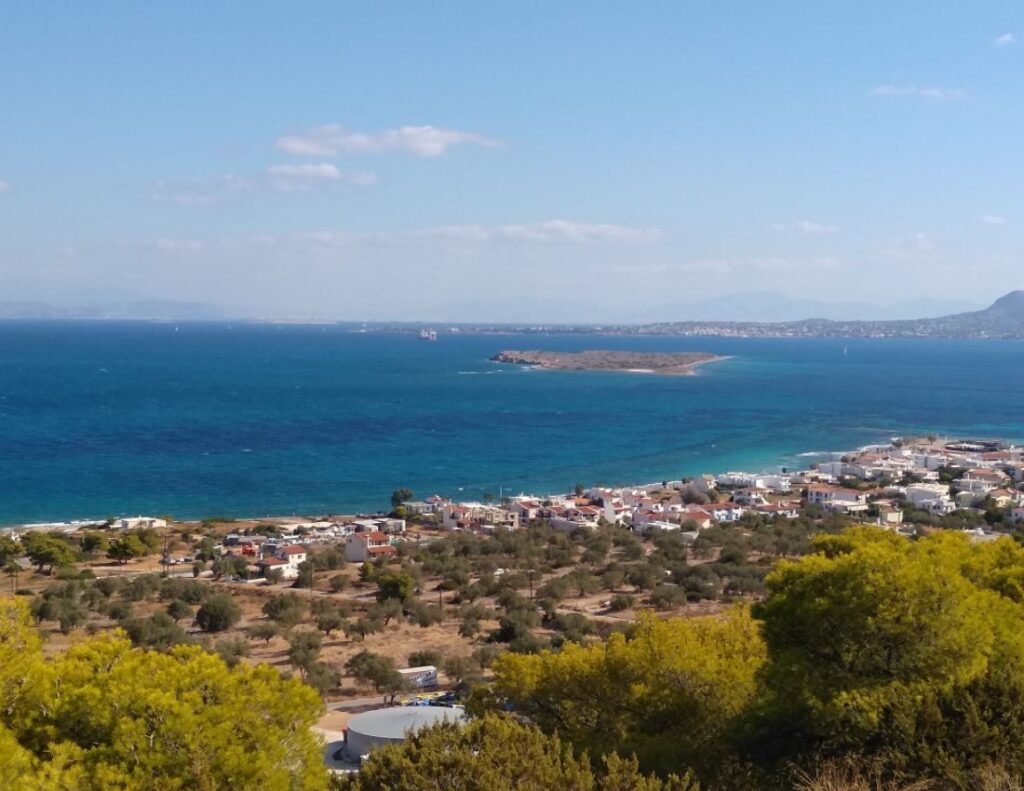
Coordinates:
(106,419)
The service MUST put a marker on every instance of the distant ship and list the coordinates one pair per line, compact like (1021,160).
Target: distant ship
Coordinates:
(428,335)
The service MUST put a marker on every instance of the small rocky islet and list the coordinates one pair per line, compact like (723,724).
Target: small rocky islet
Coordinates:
(670,363)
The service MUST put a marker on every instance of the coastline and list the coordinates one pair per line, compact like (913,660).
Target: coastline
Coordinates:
(806,460)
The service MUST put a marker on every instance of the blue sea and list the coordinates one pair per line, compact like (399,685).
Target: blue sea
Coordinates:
(105,419)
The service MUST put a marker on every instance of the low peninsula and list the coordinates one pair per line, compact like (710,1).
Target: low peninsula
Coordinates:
(671,363)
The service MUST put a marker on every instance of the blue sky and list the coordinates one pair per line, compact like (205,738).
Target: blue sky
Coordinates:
(574,160)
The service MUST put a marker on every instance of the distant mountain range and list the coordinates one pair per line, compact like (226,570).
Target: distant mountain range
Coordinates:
(771,306)
(1002,319)
(142,310)
(760,306)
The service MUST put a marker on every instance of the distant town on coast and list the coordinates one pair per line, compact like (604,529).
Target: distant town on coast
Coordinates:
(1004,319)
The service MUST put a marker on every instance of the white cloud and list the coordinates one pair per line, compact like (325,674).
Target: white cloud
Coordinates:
(200,192)
(167,245)
(922,242)
(278,178)
(422,141)
(806,227)
(549,231)
(324,170)
(936,95)
(757,265)
(565,231)
(1005,40)
(917,248)
(456,233)
(992,219)
(5,186)
(289,178)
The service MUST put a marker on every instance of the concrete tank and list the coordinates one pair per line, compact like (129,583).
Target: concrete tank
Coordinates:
(390,726)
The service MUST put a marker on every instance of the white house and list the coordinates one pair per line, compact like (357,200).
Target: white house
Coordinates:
(471,515)
(285,559)
(783,484)
(704,483)
(136,522)
(527,510)
(386,524)
(783,510)
(837,498)
(724,512)
(659,524)
(932,497)
(696,514)
(749,496)
(360,547)
(981,480)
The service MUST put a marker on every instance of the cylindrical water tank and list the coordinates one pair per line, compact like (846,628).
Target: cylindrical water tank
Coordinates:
(390,726)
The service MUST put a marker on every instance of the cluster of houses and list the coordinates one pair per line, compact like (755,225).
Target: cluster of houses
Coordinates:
(874,483)
(939,479)
(363,539)
(877,480)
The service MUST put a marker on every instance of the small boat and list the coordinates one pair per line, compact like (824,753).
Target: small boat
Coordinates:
(428,335)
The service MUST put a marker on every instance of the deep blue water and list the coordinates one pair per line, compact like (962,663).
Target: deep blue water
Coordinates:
(106,419)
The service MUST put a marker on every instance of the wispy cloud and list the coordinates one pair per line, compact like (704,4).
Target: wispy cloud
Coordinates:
(422,141)
(759,265)
(168,245)
(200,191)
(5,186)
(992,219)
(916,248)
(278,178)
(324,170)
(1005,40)
(928,94)
(548,231)
(807,228)
(545,232)
(310,176)
(566,231)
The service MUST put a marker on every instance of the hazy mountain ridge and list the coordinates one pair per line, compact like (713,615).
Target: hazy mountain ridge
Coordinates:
(1004,318)
(141,310)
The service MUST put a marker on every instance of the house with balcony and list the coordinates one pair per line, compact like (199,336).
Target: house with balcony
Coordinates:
(370,545)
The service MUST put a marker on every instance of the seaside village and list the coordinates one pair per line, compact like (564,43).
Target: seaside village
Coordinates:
(904,486)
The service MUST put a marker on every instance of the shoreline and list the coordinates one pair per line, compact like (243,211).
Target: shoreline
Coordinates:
(72,526)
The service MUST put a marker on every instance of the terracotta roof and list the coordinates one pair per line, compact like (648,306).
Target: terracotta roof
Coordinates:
(293,550)
(776,507)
